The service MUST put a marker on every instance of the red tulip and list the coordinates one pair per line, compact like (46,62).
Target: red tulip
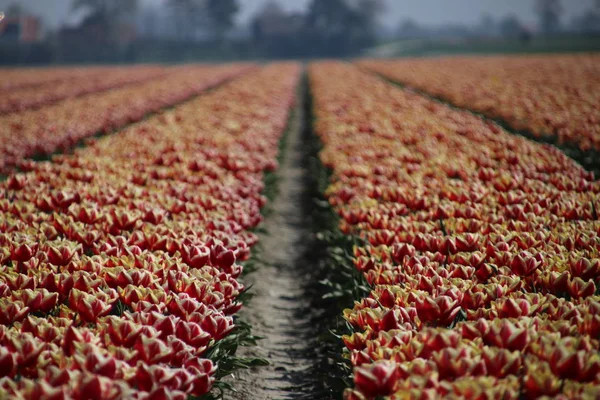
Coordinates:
(11,312)
(513,308)
(60,256)
(192,334)
(441,310)
(196,256)
(500,362)
(221,257)
(506,335)
(401,250)
(578,288)
(39,300)
(26,349)
(539,381)
(7,363)
(122,332)
(23,252)
(378,379)
(525,264)
(585,269)
(88,307)
(152,350)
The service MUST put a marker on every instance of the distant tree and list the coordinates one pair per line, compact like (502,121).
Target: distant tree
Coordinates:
(188,17)
(14,10)
(343,26)
(271,11)
(589,22)
(271,7)
(328,16)
(109,18)
(510,26)
(371,10)
(487,26)
(221,14)
(107,8)
(549,15)
(409,28)
(148,22)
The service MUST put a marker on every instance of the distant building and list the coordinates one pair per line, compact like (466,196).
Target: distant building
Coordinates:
(24,29)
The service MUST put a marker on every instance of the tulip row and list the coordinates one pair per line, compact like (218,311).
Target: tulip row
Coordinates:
(62,125)
(556,95)
(482,248)
(15,100)
(17,78)
(119,263)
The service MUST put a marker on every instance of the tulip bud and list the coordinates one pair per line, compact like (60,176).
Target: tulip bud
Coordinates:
(578,288)
(378,379)
(7,363)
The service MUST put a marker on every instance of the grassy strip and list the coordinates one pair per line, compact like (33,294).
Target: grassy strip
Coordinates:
(590,160)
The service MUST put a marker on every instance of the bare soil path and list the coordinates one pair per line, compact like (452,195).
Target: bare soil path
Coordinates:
(278,310)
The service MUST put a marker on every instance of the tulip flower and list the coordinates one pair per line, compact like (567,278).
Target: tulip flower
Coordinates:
(152,350)
(585,269)
(23,252)
(196,256)
(7,362)
(60,256)
(578,288)
(379,379)
(12,311)
(88,307)
(39,300)
(440,310)
(192,334)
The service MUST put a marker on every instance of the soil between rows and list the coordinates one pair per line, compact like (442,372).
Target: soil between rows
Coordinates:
(279,310)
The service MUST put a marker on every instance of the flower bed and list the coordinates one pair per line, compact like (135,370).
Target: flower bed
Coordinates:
(557,95)
(119,264)
(62,125)
(19,78)
(482,248)
(15,100)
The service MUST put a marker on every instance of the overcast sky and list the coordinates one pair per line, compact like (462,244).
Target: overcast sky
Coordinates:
(56,12)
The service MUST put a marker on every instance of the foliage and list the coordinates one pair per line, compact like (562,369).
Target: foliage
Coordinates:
(107,7)
(221,15)
(549,12)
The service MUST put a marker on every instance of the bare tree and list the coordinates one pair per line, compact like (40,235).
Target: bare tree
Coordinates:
(549,14)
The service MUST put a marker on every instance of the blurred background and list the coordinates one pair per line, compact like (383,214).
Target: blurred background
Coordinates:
(130,31)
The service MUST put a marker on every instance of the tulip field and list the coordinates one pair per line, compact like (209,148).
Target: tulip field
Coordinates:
(133,201)
(35,96)
(63,124)
(120,262)
(482,248)
(556,96)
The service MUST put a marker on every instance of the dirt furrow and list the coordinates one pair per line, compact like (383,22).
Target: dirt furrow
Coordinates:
(277,309)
